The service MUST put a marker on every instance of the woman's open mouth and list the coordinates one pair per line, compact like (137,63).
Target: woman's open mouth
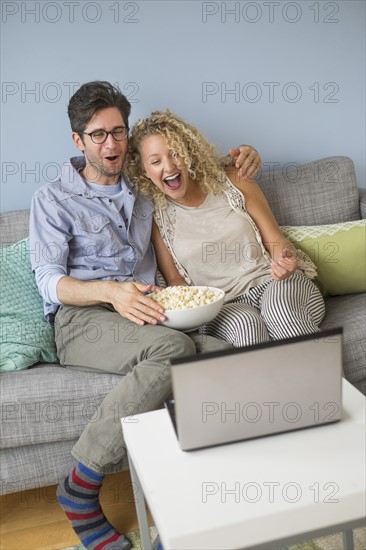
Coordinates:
(173,182)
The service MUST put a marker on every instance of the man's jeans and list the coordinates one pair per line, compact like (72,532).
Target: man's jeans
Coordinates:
(98,339)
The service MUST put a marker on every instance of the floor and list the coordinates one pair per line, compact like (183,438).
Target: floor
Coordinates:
(33,520)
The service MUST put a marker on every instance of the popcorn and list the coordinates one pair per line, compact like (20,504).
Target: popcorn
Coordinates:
(184,297)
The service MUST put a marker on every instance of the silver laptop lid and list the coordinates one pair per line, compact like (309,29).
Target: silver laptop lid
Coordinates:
(258,390)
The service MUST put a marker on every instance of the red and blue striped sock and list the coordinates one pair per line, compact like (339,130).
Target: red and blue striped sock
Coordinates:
(78,495)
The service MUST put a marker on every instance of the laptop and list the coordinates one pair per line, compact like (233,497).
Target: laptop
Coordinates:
(254,391)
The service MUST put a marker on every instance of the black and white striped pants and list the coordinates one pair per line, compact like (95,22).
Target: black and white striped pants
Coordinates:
(270,311)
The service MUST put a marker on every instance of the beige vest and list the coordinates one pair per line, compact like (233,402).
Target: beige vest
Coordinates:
(215,244)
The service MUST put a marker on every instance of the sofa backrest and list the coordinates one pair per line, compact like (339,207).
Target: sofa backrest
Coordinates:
(13,226)
(320,192)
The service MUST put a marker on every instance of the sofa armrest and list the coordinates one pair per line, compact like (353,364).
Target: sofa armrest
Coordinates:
(362,202)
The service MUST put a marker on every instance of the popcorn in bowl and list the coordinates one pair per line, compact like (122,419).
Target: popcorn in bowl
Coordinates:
(185,297)
(188,307)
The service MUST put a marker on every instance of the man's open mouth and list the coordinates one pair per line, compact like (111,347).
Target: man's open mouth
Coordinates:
(112,158)
(173,182)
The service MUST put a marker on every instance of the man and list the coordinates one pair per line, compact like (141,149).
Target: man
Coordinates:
(96,266)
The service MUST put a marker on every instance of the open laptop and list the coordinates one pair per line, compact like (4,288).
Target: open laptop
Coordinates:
(258,390)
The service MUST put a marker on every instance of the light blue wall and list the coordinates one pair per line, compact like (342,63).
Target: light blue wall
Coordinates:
(296,71)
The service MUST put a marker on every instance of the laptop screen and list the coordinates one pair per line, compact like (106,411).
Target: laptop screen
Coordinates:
(258,390)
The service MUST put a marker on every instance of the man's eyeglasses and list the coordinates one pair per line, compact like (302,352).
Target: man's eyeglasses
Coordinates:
(100,136)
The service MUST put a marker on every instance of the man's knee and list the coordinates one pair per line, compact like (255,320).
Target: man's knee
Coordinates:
(173,343)
(182,344)
(206,344)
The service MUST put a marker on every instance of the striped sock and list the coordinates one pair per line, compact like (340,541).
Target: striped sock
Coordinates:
(78,495)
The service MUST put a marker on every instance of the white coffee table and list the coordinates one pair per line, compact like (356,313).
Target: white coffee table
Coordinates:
(262,493)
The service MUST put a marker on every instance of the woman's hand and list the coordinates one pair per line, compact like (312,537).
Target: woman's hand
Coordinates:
(246,159)
(285,265)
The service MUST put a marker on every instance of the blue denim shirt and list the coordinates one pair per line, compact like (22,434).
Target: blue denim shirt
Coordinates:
(78,231)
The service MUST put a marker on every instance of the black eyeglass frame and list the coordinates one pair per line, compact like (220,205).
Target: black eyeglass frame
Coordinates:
(90,134)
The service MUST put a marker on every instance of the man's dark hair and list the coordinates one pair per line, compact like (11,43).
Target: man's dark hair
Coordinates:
(92,97)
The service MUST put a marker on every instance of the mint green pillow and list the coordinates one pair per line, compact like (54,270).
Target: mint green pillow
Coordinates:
(26,337)
(338,251)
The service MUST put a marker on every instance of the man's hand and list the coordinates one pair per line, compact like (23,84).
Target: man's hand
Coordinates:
(247,159)
(285,265)
(129,300)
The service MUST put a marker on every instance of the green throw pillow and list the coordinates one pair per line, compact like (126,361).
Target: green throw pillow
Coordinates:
(26,337)
(338,251)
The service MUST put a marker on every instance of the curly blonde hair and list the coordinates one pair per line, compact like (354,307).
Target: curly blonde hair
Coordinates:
(204,164)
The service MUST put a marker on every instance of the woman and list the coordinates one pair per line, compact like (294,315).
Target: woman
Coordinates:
(213,228)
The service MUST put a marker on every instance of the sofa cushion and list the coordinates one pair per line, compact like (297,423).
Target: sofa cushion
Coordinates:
(334,248)
(49,403)
(320,192)
(349,312)
(26,337)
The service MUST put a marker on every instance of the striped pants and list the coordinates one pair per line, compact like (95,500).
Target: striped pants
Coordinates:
(270,311)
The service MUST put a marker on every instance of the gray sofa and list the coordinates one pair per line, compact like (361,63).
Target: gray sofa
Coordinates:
(45,408)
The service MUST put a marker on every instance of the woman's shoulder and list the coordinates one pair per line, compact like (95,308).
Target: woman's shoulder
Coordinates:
(244,185)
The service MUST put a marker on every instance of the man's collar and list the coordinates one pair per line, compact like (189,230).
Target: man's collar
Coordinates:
(73,181)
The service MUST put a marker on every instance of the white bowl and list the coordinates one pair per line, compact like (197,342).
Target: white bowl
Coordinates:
(190,319)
